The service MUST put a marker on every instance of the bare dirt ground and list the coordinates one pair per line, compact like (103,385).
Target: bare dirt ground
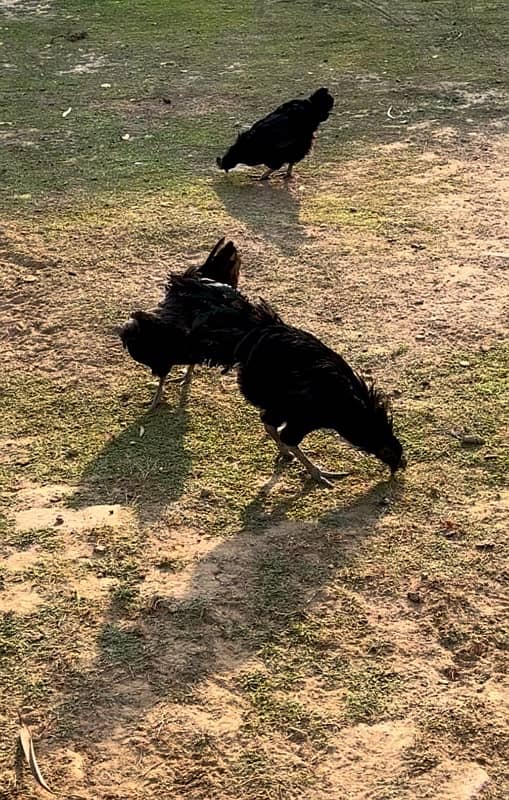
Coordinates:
(174,622)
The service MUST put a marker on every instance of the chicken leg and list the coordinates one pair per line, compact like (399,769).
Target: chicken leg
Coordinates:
(289,174)
(319,475)
(158,396)
(266,175)
(186,376)
(284,450)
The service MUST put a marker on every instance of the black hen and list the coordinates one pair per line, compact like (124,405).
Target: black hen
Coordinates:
(160,339)
(283,137)
(302,385)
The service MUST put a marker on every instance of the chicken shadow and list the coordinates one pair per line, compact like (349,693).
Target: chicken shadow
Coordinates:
(270,209)
(145,466)
(246,592)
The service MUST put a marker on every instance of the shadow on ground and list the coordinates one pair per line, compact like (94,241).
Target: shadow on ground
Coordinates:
(244,594)
(269,208)
(145,466)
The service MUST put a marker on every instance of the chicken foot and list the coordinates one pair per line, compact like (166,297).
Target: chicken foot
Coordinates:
(266,175)
(158,395)
(186,376)
(184,380)
(319,475)
(284,450)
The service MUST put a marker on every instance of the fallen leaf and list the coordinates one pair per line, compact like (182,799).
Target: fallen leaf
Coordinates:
(27,745)
(105,85)
(126,137)
(142,431)
(66,112)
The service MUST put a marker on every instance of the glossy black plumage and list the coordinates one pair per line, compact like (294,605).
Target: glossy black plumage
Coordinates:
(160,339)
(283,137)
(298,383)
(301,385)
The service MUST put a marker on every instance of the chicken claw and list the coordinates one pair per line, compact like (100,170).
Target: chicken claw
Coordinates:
(186,376)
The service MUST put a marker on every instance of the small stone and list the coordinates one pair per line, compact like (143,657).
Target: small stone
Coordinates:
(485,546)
(420,336)
(471,440)
(59,520)
(99,548)
(414,596)
(76,36)
(464,363)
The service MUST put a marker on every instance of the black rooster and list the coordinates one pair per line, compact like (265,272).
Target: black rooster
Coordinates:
(160,339)
(283,137)
(298,383)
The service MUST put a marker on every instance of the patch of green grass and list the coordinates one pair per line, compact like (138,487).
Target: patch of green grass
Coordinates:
(124,595)
(465,400)
(265,774)
(117,555)
(123,647)
(272,710)
(41,651)
(203,58)
(45,538)
(191,613)
(370,693)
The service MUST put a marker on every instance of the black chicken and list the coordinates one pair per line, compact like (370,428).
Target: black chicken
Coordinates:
(298,383)
(302,385)
(159,339)
(283,137)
